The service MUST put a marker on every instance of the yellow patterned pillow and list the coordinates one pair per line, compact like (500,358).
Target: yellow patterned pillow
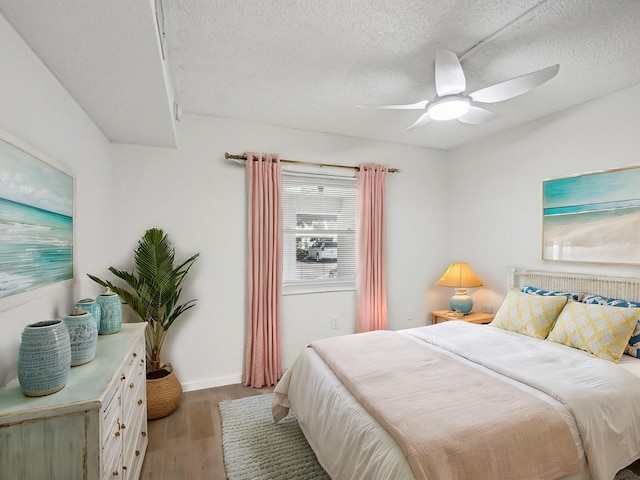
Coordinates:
(531,315)
(598,329)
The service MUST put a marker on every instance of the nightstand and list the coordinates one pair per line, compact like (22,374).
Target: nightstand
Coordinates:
(473,317)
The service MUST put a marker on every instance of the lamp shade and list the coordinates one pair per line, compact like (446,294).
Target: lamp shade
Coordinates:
(459,275)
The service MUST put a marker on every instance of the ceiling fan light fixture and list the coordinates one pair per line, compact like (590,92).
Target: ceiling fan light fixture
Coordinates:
(451,103)
(449,108)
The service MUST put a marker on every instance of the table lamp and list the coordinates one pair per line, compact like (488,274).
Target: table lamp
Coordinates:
(460,276)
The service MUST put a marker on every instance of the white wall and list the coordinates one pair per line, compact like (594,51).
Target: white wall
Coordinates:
(199,199)
(478,203)
(495,195)
(38,110)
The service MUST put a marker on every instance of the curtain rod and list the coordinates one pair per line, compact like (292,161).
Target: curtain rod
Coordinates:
(228,156)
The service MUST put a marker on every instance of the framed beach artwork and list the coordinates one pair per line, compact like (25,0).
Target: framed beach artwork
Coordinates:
(592,217)
(36,223)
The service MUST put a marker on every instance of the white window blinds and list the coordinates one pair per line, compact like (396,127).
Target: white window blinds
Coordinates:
(319,233)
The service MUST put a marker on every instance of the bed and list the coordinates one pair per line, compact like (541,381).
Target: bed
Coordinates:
(487,400)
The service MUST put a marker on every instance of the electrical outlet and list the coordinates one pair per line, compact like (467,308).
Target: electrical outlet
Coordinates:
(335,321)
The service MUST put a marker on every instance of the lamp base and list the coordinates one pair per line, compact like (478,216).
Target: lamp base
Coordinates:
(461,302)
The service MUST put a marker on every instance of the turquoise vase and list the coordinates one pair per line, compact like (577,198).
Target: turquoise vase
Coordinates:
(110,312)
(461,302)
(44,358)
(91,306)
(83,335)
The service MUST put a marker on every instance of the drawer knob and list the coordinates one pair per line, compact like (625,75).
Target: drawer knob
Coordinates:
(137,453)
(117,434)
(131,385)
(115,473)
(144,434)
(135,355)
(124,467)
(140,402)
(122,377)
(123,426)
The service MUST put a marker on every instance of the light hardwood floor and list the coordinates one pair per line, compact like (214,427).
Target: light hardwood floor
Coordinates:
(187,445)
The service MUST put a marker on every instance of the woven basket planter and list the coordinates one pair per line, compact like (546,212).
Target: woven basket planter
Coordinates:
(163,392)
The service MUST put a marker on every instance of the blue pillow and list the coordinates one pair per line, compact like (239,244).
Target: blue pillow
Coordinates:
(633,348)
(612,302)
(550,293)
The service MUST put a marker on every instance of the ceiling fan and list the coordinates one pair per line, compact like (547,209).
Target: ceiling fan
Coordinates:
(452,103)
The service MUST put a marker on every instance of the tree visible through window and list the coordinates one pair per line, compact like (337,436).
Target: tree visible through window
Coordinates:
(319,231)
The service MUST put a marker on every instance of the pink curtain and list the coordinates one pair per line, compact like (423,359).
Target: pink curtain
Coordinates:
(263,352)
(371,286)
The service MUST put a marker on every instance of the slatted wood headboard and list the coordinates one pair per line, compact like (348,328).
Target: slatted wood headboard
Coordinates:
(614,287)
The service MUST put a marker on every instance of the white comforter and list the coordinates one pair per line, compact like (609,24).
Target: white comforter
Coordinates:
(599,400)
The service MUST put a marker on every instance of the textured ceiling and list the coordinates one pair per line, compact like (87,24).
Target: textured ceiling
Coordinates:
(307,64)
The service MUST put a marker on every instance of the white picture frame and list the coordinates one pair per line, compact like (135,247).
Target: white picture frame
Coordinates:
(592,217)
(37,202)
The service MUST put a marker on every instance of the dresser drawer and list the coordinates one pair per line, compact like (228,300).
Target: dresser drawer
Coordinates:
(135,359)
(113,470)
(136,455)
(111,414)
(133,392)
(112,450)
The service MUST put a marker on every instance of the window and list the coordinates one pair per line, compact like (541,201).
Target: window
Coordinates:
(319,235)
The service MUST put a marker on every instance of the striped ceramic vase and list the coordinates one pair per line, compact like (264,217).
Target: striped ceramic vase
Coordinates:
(44,358)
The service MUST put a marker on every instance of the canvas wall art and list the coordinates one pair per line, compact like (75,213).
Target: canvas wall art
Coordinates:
(36,220)
(592,217)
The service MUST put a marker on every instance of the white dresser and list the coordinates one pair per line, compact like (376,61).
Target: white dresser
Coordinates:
(94,428)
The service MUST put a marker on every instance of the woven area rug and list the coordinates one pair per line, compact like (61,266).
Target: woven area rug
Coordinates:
(626,475)
(255,448)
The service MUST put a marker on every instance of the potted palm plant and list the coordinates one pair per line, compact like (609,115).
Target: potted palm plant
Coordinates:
(154,288)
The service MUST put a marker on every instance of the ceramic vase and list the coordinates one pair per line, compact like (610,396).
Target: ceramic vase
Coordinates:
(110,312)
(83,336)
(91,306)
(44,358)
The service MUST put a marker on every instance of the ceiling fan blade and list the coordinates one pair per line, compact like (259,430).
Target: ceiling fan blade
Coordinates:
(423,120)
(449,75)
(514,87)
(477,115)
(412,106)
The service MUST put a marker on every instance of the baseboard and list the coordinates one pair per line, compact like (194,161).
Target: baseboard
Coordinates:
(212,382)
(215,382)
